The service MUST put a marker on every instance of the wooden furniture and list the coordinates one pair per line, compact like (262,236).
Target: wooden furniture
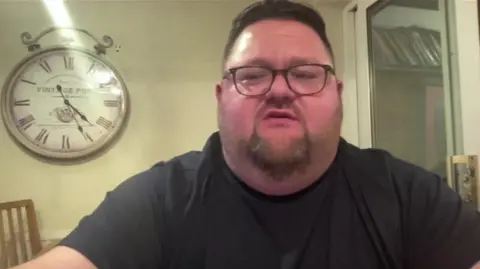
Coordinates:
(7,251)
(19,233)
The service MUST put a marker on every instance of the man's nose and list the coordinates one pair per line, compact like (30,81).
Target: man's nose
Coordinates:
(280,86)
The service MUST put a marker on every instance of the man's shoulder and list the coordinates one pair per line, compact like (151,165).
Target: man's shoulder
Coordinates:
(382,164)
(373,155)
(188,161)
(177,173)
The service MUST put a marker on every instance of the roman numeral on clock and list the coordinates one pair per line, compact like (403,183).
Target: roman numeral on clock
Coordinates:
(45,66)
(111,103)
(42,136)
(65,142)
(25,102)
(91,69)
(26,121)
(104,123)
(68,61)
(87,137)
(28,81)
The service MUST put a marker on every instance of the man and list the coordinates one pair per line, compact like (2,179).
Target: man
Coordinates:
(276,187)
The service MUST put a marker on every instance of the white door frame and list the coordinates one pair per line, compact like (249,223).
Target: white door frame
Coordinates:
(465,56)
(350,104)
(356,72)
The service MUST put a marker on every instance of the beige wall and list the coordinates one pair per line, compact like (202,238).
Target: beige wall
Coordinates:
(170,59)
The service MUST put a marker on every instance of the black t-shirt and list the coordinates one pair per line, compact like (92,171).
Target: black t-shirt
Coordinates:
(364,212)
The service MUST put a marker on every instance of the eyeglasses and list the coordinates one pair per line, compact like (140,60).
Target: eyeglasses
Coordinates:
(306,79)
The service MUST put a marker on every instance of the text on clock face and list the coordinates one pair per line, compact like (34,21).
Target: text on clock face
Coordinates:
(67,90)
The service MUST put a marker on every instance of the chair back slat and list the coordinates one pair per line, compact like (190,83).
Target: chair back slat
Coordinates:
(22,234)
(12,234)
(19,234)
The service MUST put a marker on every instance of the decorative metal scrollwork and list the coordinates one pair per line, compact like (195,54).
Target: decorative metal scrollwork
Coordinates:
(33,43)
(463,178)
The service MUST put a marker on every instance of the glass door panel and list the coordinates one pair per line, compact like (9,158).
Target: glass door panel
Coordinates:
(411,115)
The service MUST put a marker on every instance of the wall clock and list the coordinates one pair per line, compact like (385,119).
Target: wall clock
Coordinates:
(64,102)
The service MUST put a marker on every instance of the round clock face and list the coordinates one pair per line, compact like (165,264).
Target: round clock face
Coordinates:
(64,103)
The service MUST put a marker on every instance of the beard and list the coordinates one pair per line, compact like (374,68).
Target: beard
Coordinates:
(278,158)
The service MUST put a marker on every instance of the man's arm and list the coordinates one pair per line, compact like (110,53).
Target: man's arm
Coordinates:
(59,258)
(123,232)
(440,230)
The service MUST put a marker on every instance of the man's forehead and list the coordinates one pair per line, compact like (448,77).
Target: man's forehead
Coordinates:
(269,43)
(241,46)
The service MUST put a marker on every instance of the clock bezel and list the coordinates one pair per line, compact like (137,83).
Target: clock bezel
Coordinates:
(13,129)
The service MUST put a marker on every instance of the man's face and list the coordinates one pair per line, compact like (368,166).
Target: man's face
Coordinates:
(249,124)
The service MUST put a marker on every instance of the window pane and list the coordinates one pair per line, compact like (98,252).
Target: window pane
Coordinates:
(408,81)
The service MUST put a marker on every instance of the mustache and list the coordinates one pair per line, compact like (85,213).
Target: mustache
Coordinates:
(279,103)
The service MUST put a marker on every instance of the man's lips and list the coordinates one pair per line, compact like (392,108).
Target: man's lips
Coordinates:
(280,114)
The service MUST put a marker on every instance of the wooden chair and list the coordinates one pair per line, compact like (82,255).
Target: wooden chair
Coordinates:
(19,233)
(7,251)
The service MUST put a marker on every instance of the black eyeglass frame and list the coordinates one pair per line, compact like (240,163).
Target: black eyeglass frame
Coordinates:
(283,72)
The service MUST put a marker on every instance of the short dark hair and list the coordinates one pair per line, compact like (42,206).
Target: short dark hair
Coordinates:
(276,9)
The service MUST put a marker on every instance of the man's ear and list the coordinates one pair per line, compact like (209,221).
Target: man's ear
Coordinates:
(218,92)
(340,87)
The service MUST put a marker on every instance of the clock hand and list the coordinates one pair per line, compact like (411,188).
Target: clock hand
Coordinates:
(79,127)
(82,116)
(70,106)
